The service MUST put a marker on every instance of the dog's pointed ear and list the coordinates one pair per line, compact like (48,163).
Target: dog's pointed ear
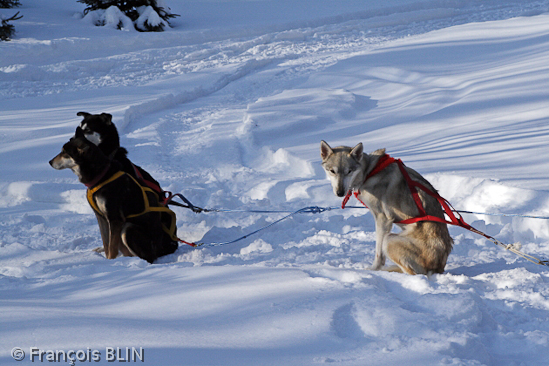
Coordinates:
(83,114)
(82,147)
(325,150)
(357,152)
(379,152)
(107,118)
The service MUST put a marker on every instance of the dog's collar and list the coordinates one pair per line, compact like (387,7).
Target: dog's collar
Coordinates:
(96,180)
(383,162)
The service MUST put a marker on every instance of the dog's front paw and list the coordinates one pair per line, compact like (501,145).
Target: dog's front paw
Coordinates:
(99,250)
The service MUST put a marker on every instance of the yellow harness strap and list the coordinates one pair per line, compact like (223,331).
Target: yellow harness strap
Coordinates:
(148,208)
(91,191)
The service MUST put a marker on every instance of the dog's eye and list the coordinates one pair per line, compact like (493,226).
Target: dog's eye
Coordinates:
(332,171)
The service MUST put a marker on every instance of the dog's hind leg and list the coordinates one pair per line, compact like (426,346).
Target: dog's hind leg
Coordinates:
(138,242)
(167,246)
(405,253)
(124,249)
(395,268)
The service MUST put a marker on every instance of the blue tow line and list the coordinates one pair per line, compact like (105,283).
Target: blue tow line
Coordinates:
(504,215)
(310,209)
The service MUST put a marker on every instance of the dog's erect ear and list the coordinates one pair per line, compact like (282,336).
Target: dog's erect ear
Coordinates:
(83,114)
(79,133)
(80,144)
(107,118)
(379,152)
(357,152)
(82,149)
(325,150)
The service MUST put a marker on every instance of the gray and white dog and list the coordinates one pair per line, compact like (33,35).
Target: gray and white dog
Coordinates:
(421,247)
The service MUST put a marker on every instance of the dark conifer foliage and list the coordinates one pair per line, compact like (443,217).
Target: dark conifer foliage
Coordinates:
(9,4)
(7,30)
(134,9)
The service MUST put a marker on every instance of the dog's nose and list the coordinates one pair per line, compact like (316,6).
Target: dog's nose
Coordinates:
(340,193)
(51,162)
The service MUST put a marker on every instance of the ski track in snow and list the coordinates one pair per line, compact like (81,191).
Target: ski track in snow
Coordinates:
(232,119)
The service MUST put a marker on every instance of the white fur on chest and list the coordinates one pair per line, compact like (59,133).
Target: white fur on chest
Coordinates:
(101,205)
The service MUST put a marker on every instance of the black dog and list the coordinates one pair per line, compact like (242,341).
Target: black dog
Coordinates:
(101,131)
(129,215)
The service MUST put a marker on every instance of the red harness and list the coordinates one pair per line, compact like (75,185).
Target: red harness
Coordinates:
(155,187)
(96,180)
(386,160)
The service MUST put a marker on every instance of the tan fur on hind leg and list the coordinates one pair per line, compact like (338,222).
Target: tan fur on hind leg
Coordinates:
(394,268)
(405,254)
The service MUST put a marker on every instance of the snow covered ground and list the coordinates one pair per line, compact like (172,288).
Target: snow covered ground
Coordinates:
(229,107)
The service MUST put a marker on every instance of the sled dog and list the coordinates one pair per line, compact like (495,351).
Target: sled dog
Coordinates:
(421,247)
(122,206)
(101,131)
